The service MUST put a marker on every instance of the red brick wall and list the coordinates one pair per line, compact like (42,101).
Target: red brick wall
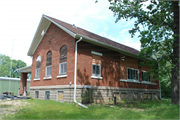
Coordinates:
(112,68)
(57,40)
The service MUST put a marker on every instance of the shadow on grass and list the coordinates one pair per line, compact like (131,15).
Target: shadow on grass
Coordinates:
(47,109)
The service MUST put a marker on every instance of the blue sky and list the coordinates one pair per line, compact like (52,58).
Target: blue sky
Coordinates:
(19,20)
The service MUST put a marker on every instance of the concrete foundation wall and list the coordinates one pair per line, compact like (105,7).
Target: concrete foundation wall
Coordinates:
(99,94)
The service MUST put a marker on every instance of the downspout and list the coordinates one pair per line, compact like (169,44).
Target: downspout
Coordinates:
(75,69)
(160,89)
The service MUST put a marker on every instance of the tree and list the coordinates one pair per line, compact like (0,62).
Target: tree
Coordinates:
(5,63)
(158,25)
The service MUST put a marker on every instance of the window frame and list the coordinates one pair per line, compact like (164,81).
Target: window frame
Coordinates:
(137,74)
(46,70)
(143,77)
(46,95)
(36,96)
(95,70)
(38,59)
(61,91)
(64,73)
(37,74)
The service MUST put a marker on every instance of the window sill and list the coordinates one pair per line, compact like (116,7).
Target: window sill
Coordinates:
(133,81)
(96,77)
(36,79)
(143,82)
(61,76)
(46,78)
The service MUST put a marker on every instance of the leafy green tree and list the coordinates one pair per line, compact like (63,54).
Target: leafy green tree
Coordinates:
(158,25)
(5,63)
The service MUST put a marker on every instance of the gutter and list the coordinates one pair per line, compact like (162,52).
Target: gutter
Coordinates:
(75,69)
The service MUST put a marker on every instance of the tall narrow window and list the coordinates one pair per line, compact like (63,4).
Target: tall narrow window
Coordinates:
(63,61)
(96,65)
(48,64)
(38,61)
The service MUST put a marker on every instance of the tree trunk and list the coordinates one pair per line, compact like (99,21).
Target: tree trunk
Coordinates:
(175,57)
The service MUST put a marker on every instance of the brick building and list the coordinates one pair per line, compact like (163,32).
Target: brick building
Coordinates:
(70,63)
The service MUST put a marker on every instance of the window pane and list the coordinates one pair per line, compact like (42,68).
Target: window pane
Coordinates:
(61,69)
(133,74)
(97,70)
(93,70)
(129,73)
(49,71)
(142,74)
(65,68)
(136,75)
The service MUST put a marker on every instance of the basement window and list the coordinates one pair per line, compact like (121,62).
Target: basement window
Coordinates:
(47,95)
(36,94)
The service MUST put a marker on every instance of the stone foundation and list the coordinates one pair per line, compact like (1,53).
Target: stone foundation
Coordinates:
(94,93)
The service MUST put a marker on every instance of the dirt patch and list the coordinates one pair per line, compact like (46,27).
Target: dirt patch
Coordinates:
(11,106)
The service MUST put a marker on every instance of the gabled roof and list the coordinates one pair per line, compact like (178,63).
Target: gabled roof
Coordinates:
(77,32)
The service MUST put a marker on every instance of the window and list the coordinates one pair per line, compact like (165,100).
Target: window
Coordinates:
(135,96)
(96,70)
(123,96)
(96,66)
(48,64)
(145,96)
(63,68)
(145,77)
(133,74)
(47,95)
(37,94)
(149,96)
(63,61)
(38,61)
(48,71)
(60,96)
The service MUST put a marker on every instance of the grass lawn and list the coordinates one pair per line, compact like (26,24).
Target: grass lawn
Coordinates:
(47,109)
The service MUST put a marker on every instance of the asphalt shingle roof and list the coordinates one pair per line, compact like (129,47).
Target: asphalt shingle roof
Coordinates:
(91,35)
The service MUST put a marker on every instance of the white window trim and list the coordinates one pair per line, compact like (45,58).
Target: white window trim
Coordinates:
(122,80)
(96,77)
(146,81)
(132,80)
(46,71)
(46,78)
(36,79)
(96,53)
(61,76)
(36,73)
(60,69)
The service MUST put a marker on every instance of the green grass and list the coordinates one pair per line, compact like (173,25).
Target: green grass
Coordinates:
(47,109)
